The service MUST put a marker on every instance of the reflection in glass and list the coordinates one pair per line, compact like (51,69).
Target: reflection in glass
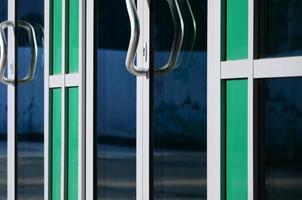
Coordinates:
(280,31)
(3,121)
(280,133)
(30,106)
(179,104)
(115,104)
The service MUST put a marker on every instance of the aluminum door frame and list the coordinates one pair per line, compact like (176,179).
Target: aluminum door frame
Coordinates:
(11,106)
(142,104)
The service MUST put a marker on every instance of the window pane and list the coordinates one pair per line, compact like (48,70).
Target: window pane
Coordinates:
(3,121)
(280,32)
(30,104)
(115,104)
(179,107)
(280,139)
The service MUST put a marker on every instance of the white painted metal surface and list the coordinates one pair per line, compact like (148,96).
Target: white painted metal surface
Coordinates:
(11,101)
(214,101)
(90,100)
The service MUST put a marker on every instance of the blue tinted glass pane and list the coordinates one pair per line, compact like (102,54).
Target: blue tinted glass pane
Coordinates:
(115,104)
(280,31)
(179,104)
(3,121)
(30,105)
(3,141)
(280,139)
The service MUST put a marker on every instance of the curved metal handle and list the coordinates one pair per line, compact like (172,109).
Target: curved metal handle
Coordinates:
(34,51)
(134,39)
(178,39)
(4,25)
(192,41)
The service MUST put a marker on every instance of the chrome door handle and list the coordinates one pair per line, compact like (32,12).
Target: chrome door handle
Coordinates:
(3,54)
(178,39)
(34,51)
(134,39)
(192,41)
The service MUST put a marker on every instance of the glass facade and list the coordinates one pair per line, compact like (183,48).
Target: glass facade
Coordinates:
(179,103)
(279,139)
(280,33)
(3,121)
(115,104)
(30,104)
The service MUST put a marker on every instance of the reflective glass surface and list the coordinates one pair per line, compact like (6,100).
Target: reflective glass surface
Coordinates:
(3,121)
(280,139)
(30,104)
(115,104)
(280,31)
(179,107)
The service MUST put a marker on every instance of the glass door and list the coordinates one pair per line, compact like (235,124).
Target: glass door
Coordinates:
(114,104)
(3,120)
(22,104)
(29,99)
(148,114)
(178,100)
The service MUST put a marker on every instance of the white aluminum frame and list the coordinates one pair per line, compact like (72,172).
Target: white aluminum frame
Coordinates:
(65,81)
(90,100)
(11,111)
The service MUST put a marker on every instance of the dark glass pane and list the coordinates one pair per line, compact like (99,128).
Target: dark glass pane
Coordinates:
(3,121)
(115,104)
(280,31)
(179,104)
(280,133)
(30,105)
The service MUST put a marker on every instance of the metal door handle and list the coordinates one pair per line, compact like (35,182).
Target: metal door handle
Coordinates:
(178,38)
(134,39)
(3,54)
(135,33)
(192,41)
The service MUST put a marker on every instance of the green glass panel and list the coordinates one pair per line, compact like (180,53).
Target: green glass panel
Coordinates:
(57,37)
(56,128)
(236,139)
(73,65)
(236,29)
(73,144)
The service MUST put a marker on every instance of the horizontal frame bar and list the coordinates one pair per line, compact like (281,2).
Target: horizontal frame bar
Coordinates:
(67,80)
(278,67)
(236,69)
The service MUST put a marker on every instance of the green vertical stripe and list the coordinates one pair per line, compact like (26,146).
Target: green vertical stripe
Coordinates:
(73,65)
(236,139)
(56,128)
(73,144)
(57,37)
(237,29)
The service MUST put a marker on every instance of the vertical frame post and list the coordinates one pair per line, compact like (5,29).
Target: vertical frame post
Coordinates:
(11,104)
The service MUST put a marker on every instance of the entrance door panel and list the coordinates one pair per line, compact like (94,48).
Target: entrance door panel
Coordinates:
(115,104)
(150,120)
(30,101)
(3,121)
(179,101)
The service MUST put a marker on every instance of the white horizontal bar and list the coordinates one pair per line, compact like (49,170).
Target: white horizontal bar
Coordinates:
(278,67)
(56,81)
(236,69)
(72,80)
